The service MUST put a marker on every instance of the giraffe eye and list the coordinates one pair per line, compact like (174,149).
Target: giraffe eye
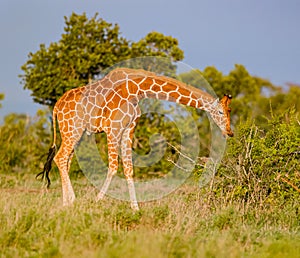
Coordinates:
(221,112)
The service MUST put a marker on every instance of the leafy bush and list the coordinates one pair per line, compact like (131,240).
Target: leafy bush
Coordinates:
(262,165)
(24,141)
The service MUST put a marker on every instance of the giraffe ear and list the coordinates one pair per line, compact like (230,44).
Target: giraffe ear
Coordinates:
(215,103)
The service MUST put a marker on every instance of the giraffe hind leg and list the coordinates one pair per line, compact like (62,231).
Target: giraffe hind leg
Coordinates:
(63,160)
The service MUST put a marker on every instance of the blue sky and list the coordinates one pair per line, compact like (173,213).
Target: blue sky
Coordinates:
(262,35)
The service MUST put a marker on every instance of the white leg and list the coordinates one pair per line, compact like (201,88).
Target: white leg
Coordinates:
(106,184)
(68,193)
(113,166)
(62,159)
(133,201)
(126,146)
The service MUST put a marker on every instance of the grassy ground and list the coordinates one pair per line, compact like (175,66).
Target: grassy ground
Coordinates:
(187,223)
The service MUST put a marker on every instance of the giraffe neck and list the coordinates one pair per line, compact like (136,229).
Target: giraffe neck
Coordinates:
(149,85)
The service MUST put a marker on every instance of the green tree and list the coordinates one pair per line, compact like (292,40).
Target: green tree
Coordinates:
(86,48)
(247,90)
(252,95)
(283,100)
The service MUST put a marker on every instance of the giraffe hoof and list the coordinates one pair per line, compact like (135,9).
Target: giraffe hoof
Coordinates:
(100,196)
(135,206)
(67,203)
(69,200)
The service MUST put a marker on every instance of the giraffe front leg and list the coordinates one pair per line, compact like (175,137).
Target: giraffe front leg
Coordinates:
(133,201)
(126,148)
(110,175)
(113,166)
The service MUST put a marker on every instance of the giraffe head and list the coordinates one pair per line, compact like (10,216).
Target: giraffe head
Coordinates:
(220,112)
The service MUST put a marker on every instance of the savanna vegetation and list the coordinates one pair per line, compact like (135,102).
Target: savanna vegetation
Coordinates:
(249,209)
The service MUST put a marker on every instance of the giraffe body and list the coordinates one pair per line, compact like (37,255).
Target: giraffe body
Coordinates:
(111,105)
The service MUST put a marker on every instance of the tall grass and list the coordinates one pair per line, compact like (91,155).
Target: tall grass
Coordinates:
(188,223)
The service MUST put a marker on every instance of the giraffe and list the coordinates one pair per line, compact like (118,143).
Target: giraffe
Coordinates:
(110,105)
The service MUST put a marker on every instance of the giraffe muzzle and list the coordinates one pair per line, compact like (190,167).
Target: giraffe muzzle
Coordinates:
(230,134)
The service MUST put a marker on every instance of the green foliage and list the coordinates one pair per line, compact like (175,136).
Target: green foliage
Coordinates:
(253,97)
(87,47)
(262,164)
(23,142)
(247,90)
(157,44)
(282,101)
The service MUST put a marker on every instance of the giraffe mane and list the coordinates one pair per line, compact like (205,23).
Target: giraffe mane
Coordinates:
(144,73)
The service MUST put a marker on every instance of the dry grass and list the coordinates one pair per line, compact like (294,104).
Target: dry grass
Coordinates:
(187,223)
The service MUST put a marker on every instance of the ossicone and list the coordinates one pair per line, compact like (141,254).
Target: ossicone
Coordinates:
(228,96)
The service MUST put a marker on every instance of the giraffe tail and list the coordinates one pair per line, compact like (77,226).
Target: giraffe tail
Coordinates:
(47,166)
(51,155)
